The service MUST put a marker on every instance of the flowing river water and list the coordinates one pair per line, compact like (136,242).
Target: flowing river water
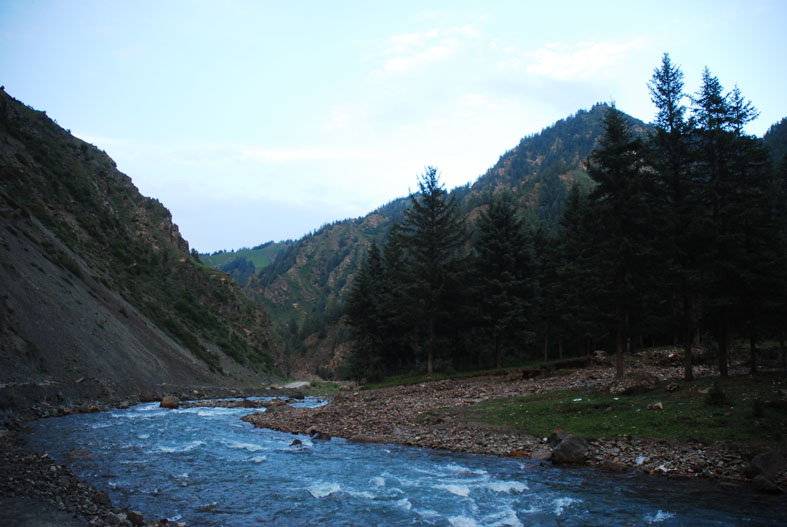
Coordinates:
(206,467)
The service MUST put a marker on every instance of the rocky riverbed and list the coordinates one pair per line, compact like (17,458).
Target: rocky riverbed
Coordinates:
(421,415)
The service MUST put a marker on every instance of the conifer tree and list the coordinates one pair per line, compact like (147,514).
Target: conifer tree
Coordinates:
(433,236)
(619,204)
(504,273)
(670,155)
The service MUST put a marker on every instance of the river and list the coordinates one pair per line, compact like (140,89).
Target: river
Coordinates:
(206,467)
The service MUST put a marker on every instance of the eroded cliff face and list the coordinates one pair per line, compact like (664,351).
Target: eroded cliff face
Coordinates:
(97,285)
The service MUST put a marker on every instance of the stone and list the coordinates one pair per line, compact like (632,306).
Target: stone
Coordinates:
(613,466)
(171,402)
(763,484)
(557,435)
(656,406)
(102,499)
(136,518)
(768,464)
(572,449)
(297,385)
(321,436)
(296,442)
(541,455)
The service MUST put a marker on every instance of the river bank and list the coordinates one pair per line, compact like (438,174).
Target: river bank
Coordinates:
(434,415)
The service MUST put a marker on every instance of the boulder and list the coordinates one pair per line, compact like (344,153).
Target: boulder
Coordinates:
(557,435)
(764,485)
(768,464)
(572,449)
(296,442)
(171,402)
(136,518)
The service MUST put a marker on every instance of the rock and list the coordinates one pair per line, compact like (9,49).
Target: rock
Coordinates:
(672,387)
(656,406)
(763,484)
(102,499)
(136,518)
(274,402)
(296,442)
(612,466)
(600,355)
(150,396)
(320,436)
(768,464)
(572,449)
(557,435)
(298,385)
(541,455)
(171,402)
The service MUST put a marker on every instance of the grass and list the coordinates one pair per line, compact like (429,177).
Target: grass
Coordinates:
(747,413)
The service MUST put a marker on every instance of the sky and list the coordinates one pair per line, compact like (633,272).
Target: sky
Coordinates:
(263,120)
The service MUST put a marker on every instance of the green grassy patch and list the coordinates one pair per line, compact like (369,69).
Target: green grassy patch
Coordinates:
(323,389)
(747,411)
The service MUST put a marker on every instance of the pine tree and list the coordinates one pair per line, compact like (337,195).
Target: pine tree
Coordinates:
(670,155)
(504,274)
(619,208)
(433,236)
(364,312)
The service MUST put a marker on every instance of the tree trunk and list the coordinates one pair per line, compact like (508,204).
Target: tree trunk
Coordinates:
(546,341)
(753,349)
(560,347)
(723,352)
(498,353)
(688,338)
(430,351)
(620,342)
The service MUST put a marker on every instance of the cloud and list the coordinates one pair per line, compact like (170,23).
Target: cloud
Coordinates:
(412,51)
(580,61)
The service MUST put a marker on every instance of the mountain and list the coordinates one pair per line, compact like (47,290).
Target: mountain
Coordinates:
(305,286)
(776,139)
(99,294)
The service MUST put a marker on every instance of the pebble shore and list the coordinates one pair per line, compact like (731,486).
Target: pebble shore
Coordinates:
(406,415)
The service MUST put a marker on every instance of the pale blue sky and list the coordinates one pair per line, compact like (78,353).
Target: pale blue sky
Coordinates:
(257,121)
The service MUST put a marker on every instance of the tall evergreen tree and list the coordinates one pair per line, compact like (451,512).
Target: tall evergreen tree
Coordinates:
(620,205)
(433,236)
(670,155)
(505,276)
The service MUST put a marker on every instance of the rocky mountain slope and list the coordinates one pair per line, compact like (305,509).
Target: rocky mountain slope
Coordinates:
(99,294)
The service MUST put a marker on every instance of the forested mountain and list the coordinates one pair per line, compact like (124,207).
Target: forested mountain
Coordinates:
(776,139)
(681,238)
(306,285)
(97,284)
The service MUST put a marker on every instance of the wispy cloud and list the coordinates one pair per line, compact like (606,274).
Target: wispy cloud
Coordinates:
(583,60)
(411,51)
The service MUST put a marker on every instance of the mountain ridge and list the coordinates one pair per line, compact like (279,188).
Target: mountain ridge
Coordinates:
(97,284)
